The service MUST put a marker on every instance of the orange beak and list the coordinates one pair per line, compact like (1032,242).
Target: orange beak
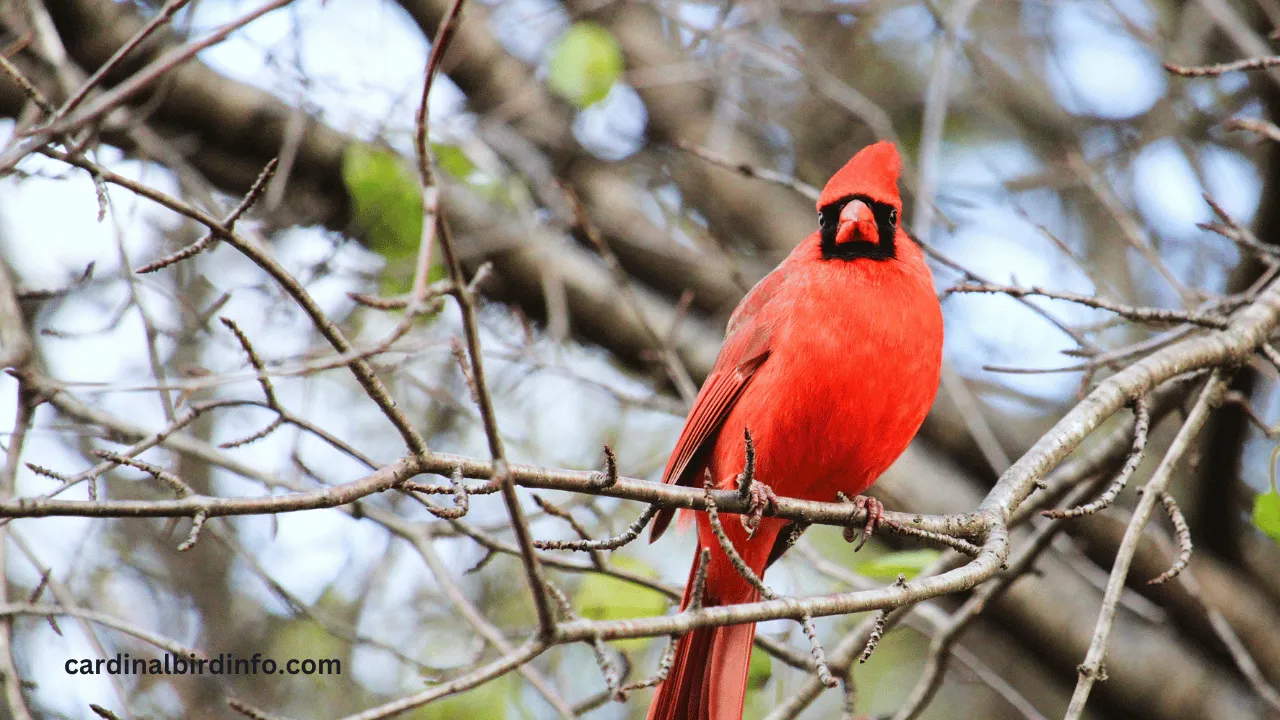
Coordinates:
(856,223)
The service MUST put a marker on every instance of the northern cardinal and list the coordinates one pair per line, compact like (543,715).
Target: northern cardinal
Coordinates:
(831,363)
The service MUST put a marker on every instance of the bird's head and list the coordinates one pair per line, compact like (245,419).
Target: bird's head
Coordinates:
(859,207)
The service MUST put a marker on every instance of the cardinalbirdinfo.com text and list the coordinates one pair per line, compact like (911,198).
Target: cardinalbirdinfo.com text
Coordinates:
(221,664)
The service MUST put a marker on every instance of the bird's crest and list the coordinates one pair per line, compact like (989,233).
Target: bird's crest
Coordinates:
(872,172)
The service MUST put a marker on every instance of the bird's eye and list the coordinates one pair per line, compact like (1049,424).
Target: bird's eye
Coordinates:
(893,216)
(822,220)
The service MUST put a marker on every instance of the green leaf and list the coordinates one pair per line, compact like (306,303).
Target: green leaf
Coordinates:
(1266,506)
(585,62)
(307,639)
(890,565)
(600,597)
(490,700)
(1266,514)
(386,199)
(760,669)
(453,160)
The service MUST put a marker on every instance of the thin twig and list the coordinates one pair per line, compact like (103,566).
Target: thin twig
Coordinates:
(1271,354)
(1141,427)
(609,477)
(175,483)
(1132,312)
(103,712)
(676,370)
(461,499)
(1258,63)
(873,640)
(817,653)
(209,239)
(11,610)
(1129,227)
(800,187)
(1266,129)
(607,667)
(969,275)
(27,86)
(1240,234)
(197,524)
(937,93)
(250,711)
(611,543)
(960,545)
(549,508)
(1182,532)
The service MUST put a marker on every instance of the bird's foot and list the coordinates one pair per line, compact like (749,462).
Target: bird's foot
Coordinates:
(760,497)
(875,516)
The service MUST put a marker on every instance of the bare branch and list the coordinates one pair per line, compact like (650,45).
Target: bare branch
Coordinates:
(163,16)
(944,640)
(1092,669)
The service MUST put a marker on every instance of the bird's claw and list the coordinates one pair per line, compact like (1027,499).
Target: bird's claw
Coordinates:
(875,516)
(760,497)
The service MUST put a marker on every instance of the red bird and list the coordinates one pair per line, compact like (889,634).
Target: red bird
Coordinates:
(831,362)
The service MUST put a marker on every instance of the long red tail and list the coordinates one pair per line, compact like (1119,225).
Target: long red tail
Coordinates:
(708,679)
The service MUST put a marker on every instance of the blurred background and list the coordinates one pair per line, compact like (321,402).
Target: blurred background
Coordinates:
(1043,143)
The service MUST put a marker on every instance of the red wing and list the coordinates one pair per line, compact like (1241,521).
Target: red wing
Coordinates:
(745,349)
